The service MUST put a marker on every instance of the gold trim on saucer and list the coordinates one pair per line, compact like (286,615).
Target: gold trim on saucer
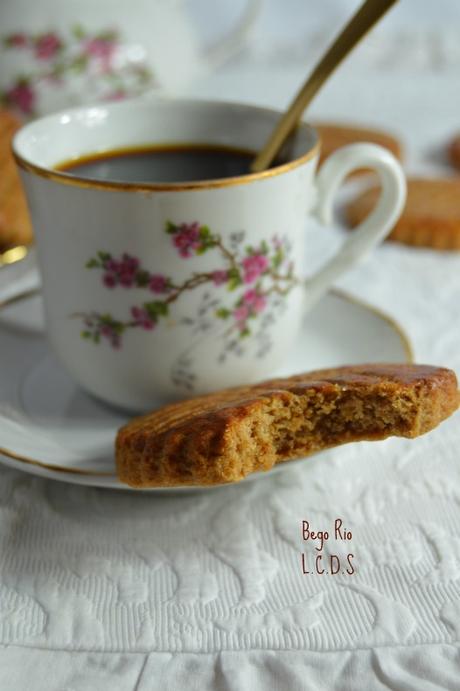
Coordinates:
(13,255)
(48,466)
(87,183)
(19,297)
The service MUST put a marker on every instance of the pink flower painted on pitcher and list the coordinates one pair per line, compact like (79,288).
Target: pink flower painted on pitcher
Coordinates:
(187,238)
(112,265)
(254,301)
(100,48)
(117,95)
(219,277)
(22,97)
(129,263)
(106,330)
(254,266)
(109,280)
(142,318)
(17,40)
(54,79)
(123,272)
(158,284)
(108,333)
(276,241)
(47,46)
(126,279)
(241,314)
(55,56)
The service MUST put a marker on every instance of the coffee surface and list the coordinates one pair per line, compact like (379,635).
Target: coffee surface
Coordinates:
(165,164)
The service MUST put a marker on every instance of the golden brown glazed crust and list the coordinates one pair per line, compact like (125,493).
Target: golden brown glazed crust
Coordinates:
(15,228)
(431,217)
(224,436)
(333,136)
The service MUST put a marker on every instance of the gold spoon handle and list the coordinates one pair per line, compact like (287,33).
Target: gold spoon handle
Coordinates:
(364,19)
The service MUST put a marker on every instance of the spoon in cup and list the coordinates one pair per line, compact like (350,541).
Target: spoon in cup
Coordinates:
(364,19)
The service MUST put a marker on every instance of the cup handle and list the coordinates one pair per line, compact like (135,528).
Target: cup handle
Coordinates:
(375,227)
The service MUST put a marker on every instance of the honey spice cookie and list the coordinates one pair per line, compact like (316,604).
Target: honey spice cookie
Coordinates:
(15,227)
(431,217)
(454,152)
(334,135)
(224,436)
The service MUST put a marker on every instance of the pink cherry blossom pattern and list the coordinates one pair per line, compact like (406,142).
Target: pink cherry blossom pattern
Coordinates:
(47,46)
(109,280)
(251,276)
(112,265)
(107,332)
(22,97)
(17,40)
(241,314)
(117,95)
(219,277)
(187,239)
(254,266)
(101,49)
(126,279)
(58,55)
(121,272)
(255,301)
(158,283)
(129,263)
(105,328)
(142,318)
(277,243)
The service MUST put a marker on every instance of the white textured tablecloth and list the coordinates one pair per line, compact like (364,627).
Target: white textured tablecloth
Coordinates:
(104,590)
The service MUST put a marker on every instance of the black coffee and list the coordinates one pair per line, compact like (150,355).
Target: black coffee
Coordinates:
(179,163)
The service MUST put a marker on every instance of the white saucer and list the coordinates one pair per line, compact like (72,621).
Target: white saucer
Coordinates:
(51,428)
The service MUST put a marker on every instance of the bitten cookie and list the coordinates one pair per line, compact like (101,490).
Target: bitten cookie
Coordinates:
(454,152)
(15,228)
(431,217)
(224,436)
(333,136)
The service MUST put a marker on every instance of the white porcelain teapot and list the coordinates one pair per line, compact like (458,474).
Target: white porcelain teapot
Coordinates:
(58,53)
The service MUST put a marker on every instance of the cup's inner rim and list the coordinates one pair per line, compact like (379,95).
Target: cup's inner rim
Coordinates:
(31,133)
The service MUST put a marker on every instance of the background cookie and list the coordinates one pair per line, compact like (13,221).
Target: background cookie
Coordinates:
(333,136)
(431,217)
(15,228)
(454,152)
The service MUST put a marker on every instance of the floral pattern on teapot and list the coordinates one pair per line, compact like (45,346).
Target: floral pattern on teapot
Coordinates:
(100,59)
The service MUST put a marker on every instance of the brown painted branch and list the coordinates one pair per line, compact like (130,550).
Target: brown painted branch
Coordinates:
(227,254)
(190,284)
(276,289)
(279,277)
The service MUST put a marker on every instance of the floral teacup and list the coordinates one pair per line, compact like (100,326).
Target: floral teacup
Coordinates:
(177,288)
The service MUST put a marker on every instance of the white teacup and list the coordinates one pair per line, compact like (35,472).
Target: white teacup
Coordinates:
(183,288)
